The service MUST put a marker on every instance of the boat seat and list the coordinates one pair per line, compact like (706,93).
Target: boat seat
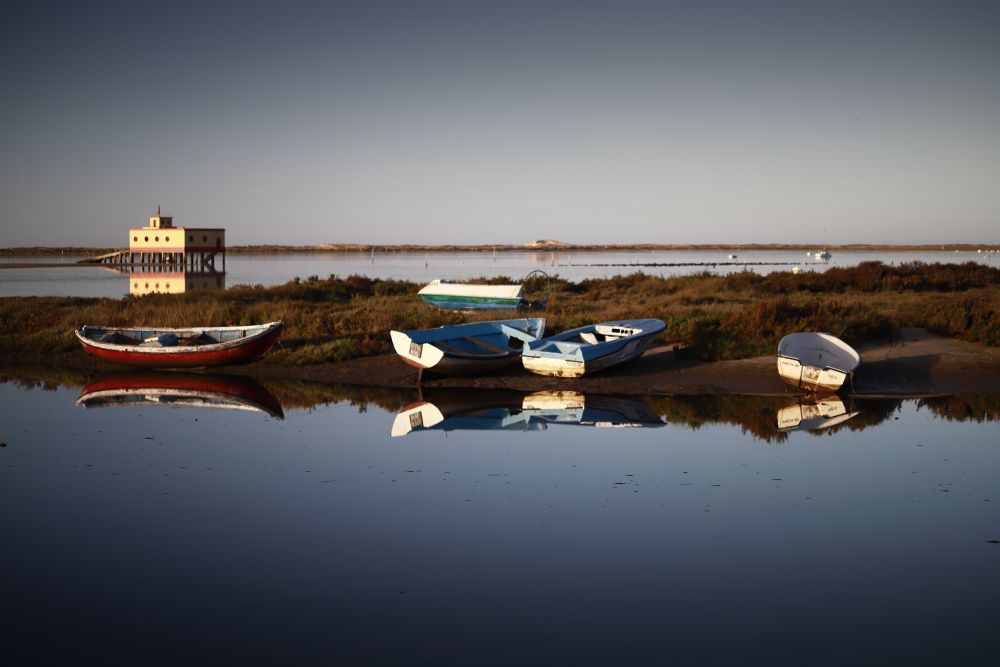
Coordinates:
(588,337)
(118,338)
(482,343)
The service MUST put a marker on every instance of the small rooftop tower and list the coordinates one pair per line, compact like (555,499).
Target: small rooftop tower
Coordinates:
(160,221)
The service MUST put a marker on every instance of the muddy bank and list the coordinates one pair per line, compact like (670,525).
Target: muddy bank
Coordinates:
(919,364)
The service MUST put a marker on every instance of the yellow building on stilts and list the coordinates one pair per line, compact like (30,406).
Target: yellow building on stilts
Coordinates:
(160,243)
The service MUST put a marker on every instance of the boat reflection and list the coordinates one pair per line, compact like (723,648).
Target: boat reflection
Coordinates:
(514,411)
(814,415)
(770,419)
(188,390)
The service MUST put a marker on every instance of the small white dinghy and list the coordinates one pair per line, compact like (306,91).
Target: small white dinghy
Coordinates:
(816,362)
(591,348)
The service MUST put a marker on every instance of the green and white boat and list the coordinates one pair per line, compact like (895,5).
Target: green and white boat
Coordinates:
(466,296)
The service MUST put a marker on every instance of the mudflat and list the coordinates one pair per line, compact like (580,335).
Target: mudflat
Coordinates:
(918,364)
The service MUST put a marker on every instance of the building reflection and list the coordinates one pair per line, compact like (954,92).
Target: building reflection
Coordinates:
(144,280)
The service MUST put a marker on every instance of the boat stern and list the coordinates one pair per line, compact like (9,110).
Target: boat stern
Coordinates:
(418,355)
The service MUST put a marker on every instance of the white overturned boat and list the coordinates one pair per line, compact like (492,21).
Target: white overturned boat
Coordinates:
(816,362)
(467,349)
(590,348)
(468,296)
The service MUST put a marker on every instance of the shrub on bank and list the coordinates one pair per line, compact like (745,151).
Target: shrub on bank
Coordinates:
(714,317)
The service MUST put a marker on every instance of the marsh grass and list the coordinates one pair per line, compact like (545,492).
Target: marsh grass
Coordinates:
(711,316)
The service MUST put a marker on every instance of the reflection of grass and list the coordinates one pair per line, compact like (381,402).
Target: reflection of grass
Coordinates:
(307,395)
(715,317)
(755,415)
(970,407)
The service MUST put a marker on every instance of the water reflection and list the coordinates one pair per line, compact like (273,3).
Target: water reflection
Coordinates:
(515,411)
(186,390)
(316,538)
(144,280)
(813,415)
(770,419)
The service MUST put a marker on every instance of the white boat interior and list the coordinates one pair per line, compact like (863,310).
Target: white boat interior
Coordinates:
(601,333)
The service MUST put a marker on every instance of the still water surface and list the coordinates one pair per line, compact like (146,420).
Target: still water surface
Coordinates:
(275,269)
(308,534)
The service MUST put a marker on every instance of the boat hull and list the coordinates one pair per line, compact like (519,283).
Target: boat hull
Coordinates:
(572,368)
(451,302)
(810,378)
(239,351)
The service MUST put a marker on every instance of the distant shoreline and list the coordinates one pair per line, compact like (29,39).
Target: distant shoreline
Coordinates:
(546,246)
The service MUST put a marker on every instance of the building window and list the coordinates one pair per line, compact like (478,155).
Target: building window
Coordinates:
(146,239)
(135,238)
(204,238)
(157,239)
(190,239)
(167,239)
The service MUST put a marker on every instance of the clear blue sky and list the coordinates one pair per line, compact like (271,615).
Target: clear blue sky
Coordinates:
(467,122)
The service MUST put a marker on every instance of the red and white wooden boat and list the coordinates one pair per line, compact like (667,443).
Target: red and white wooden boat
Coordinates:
(192,347)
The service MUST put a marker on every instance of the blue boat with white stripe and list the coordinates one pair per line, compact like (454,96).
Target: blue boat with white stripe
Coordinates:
(590,348)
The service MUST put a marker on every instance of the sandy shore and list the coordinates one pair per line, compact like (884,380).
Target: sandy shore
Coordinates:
(919,364)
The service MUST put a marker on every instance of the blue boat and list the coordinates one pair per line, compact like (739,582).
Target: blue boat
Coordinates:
(591,348)
(467,349)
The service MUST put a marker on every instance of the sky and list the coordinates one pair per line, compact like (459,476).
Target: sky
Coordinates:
(502,122)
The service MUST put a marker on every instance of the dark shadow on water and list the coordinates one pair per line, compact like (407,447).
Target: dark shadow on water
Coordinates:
(912,370)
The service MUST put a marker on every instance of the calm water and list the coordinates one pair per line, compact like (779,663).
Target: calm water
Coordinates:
(146,533)
(419,267)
